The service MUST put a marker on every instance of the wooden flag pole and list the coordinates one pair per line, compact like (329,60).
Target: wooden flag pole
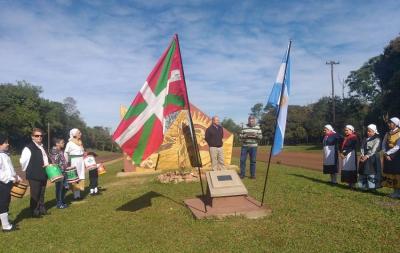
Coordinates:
(196,148)
(276,123)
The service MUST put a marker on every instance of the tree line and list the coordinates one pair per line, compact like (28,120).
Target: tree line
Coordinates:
(22,108)
(373,97)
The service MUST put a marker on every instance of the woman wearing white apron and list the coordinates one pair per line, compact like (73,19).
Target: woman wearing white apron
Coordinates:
(348,157)
(330,148)
(74,155)
(370,162)
(391,157)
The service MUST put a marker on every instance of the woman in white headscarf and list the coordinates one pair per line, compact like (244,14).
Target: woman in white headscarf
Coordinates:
(370,163)
(391,161)
(330,147)
(348,156)
(74,155)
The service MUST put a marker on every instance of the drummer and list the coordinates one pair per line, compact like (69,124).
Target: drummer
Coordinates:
(33,160)
(74,155)
(7,178)
(57,157)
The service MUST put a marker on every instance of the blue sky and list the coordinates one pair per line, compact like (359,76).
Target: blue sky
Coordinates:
(100,52)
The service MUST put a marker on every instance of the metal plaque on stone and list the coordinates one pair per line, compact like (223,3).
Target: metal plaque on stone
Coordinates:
(225,183)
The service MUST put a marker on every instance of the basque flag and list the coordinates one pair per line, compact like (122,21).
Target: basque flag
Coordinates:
(279,99)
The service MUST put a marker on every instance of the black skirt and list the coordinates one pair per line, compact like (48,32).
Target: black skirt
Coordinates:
(393,166)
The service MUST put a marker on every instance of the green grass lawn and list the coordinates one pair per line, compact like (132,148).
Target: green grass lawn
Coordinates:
(138,214)
(297,148)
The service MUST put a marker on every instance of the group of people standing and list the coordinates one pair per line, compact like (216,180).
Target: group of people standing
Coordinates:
(250,135)
(365,173)
(34,159)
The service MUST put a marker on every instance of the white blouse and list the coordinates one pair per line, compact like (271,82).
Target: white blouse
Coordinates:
(72,149)
(7,172)
(26,157)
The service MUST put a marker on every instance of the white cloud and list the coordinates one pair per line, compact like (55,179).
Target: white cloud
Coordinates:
(101,52)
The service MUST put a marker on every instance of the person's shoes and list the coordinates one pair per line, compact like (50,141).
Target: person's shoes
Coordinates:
(62,206)
(13,228)
(253,177)
(241,176)
(78,199)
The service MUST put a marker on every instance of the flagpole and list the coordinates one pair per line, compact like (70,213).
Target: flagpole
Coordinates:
(196,148)
(276,123)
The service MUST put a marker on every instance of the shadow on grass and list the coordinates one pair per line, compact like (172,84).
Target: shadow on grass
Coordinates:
(337,185)
(26,213)
(143,202)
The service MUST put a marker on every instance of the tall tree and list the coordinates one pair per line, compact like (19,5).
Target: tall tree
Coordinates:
(363,83)
(257,110)
(387,70)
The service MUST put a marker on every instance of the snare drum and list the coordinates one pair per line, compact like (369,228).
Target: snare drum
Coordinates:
(18,190)
(72,175)
(90,162)
(54,173)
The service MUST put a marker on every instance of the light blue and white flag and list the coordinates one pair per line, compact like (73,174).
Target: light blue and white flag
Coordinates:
(281,103)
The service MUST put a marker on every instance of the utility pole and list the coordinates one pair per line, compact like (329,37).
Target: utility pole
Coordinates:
(333,90)
(343,83)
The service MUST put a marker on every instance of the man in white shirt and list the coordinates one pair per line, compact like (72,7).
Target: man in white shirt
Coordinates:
(33,161)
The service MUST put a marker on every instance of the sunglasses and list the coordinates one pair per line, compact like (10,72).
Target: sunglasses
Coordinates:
(37,136)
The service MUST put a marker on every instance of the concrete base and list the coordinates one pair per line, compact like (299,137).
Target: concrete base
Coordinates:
(221,207)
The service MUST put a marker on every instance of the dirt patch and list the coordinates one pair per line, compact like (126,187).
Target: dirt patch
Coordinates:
(305,160)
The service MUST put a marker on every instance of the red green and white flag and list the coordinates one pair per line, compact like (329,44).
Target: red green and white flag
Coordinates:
(141,131)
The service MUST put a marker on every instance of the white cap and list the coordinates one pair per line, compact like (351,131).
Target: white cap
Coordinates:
(395,120)
(350,127)
(329,127)
(72,133)
(373,128)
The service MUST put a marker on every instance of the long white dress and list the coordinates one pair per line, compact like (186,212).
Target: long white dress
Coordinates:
(72,150)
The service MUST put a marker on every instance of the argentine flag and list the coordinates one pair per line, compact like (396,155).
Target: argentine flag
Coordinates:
(282,80)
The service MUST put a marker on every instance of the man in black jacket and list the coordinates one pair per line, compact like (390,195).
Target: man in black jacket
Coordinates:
(33,161)
(214,135)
